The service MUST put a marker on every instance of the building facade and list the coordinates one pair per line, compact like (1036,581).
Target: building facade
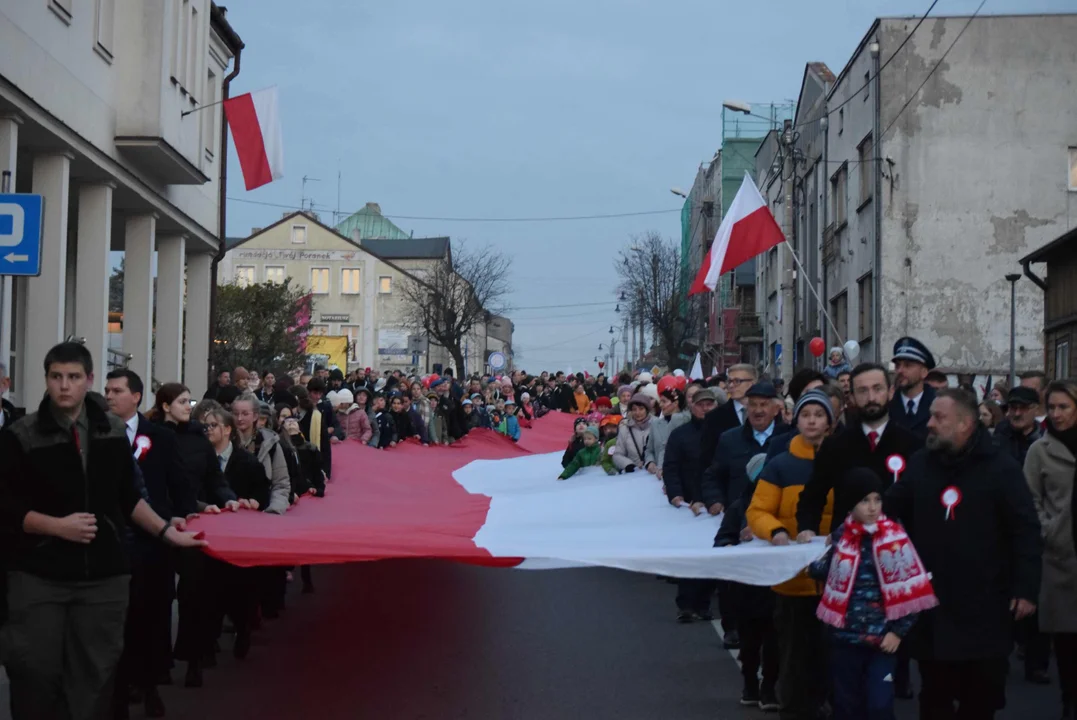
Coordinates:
(942,173)
(93,97)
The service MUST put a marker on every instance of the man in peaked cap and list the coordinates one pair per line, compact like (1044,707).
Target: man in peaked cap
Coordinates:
(911,406)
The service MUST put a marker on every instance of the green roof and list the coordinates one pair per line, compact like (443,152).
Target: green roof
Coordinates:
(371,224)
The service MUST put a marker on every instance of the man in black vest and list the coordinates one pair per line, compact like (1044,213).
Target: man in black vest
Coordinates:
(911,406)
(67,491)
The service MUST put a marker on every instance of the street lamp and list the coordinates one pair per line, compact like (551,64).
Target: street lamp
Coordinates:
(678,191)
(739,106)
(1013,278)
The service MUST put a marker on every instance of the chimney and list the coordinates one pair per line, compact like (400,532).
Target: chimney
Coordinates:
(255,231)
(373,207)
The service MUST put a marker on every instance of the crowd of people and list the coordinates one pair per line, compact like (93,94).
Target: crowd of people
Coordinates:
(949,531)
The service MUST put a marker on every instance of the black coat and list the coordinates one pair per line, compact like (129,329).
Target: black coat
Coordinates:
(715,424)
(169,494)
(386,428)
(570,452)
(749,602)
(984,555)
(682,468)
(8,411)
(842,452)
(42,471)
(199,468)
(247,477)
(917,424)
(726,477)
(1015,443)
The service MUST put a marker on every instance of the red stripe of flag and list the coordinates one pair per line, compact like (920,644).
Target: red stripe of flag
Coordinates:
(250,146)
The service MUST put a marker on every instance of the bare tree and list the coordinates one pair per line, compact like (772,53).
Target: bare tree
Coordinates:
(652,283)
(447,301)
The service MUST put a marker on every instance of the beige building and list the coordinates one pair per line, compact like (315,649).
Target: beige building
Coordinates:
(356,286)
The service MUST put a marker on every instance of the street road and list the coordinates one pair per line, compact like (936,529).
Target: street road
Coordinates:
(430,640)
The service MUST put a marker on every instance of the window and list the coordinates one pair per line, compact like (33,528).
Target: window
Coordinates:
(839,313)
(62,9)
(245,275)
(867,86)
(350,281)
(103,23)
(319,329)
(299,234)
(866,322)
(210,119)
(275,274)
(1073,168)
(319,281)
(385,284)
(352,333)
(839,183)
(866,155)
(1062,357)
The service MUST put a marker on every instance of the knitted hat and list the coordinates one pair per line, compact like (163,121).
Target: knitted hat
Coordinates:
(525,397)
(265,410)
(861,482)
(579,421)
(603,402)
(340,397)
(641,399)
(755,466)
(817,397)
(645,377)
(592,430)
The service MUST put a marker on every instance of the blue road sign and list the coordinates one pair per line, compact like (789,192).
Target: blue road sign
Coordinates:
(496,361)
(20,234)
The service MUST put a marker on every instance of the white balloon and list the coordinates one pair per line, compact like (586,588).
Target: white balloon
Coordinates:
(852,349)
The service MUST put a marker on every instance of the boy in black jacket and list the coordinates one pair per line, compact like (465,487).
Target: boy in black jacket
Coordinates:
(754,606)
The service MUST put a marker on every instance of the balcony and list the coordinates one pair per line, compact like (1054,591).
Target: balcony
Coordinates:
(749,328)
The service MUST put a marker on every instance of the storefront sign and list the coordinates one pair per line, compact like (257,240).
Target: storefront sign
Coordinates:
(335,317)
(296,255)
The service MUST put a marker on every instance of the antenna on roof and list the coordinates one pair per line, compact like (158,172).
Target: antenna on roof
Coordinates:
(303,195)
(336,213)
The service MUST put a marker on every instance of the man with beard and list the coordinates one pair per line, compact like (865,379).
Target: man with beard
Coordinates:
(864,444)
(911,406)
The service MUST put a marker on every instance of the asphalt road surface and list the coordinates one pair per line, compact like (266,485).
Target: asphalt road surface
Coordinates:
(429,640)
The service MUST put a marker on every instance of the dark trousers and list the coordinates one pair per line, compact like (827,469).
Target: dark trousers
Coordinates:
(695,595)
(802,668)
(758,649)
(727,604)
(194,639)
(62,642)
(147,636)
(977,687)
(1037,644)
(862,682)
(235,595)
(1066,655)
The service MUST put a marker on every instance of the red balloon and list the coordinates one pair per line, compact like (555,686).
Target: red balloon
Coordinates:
(601,364)
(817,346)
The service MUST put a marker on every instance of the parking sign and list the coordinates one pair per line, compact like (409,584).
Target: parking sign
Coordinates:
(20,234)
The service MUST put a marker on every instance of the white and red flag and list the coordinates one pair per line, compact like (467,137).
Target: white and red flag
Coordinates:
(488,501)
(254,119)
(747,230)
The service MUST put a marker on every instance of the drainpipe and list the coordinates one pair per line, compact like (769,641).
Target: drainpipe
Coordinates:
(222,196)
(824,123)
(876,270)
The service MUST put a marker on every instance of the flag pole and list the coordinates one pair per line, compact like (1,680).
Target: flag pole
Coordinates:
(811,286)
(200,108)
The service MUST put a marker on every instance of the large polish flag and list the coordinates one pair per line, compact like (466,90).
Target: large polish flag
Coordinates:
(255,123)
(488,501)
(747,230)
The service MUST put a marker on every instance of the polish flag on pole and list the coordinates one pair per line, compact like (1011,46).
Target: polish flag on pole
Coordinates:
(747,230)
(254,119)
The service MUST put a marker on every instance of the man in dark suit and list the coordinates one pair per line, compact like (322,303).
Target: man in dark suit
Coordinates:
(911,406)
(147,652)
(869,444)
(730,415)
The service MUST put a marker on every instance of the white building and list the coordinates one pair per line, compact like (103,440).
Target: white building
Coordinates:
(928,185)
(92,101)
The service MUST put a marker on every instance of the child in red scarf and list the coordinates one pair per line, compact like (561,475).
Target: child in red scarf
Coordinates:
(876,586)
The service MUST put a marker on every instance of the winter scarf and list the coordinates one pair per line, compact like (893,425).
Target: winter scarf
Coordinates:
(1069,439)
(903,579)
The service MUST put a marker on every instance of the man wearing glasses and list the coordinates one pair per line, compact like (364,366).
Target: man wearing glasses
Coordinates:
(730,415)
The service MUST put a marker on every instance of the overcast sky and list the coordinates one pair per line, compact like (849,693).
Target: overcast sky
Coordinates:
(507,110)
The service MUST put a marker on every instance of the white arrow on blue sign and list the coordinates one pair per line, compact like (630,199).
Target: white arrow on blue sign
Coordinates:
(20,234)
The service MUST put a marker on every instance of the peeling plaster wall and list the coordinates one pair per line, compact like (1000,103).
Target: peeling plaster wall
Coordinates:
(978,180)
